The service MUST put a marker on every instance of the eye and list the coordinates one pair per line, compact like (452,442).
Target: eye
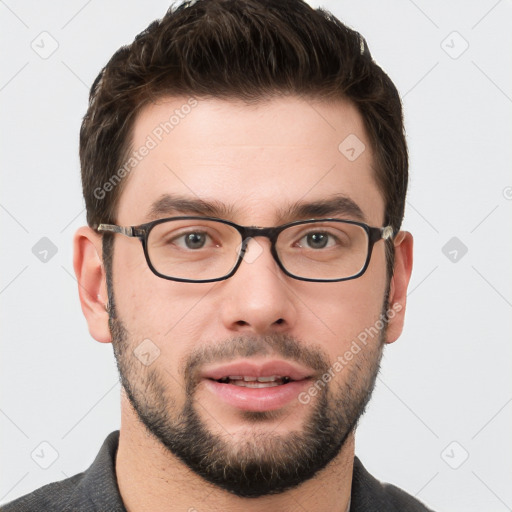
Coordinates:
(317,240)
(191,240)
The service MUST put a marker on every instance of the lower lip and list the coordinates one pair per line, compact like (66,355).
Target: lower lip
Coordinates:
(257,399)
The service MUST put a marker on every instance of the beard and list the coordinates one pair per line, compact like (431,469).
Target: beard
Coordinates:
(260,461)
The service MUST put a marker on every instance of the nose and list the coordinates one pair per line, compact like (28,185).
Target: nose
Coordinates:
(258,297)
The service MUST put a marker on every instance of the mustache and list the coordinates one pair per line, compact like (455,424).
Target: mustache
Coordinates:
(283,346)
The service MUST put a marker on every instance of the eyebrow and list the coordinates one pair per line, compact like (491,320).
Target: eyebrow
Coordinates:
(171,204)
(335,206)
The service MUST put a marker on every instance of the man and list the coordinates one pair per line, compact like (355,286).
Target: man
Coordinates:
(257,153)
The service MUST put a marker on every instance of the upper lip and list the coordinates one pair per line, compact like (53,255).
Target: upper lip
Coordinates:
(254,369)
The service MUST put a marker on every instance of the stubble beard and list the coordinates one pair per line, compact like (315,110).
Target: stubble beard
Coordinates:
(264,462)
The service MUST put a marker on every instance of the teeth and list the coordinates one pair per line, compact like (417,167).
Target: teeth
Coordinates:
(255,381)
(272,378)
(255,384)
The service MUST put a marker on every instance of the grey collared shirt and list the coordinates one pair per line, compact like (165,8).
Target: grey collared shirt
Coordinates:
(96,490)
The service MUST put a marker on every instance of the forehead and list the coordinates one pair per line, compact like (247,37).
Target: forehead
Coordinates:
(254,161)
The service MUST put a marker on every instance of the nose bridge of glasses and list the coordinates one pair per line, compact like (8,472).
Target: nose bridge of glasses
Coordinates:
(251,252)
(252,232)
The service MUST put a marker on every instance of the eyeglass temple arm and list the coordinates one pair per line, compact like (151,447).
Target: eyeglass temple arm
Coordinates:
(386,232)
(112,228)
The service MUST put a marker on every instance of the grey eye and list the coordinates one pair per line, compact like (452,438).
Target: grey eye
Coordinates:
(195,240)
(317,240)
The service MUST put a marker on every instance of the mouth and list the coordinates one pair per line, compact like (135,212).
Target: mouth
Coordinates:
(255,382)
(253,386)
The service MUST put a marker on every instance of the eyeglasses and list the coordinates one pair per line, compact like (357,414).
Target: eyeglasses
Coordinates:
(207,249)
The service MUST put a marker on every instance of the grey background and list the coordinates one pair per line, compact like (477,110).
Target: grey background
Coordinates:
(444,392)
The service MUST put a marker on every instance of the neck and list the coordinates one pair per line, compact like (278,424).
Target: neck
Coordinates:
(150,478)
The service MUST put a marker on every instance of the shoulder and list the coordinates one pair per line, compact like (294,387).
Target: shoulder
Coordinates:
(93,490)
(54,496)
(369,494)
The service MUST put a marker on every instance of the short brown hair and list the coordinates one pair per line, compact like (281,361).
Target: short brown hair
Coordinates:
(241,49)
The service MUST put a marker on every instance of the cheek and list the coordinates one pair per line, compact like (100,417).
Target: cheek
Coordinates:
(135,296)
(169,313)
(345,310)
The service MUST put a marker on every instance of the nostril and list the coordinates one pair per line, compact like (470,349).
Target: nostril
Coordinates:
(279,322)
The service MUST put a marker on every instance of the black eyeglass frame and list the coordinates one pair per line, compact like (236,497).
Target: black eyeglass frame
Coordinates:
(247,232)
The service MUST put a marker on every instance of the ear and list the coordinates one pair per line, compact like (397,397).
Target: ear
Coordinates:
(92,284)
(399,283)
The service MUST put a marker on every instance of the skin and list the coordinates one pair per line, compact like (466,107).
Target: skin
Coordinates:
(257,160)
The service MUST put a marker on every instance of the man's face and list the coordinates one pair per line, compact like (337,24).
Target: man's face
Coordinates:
(255,164)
